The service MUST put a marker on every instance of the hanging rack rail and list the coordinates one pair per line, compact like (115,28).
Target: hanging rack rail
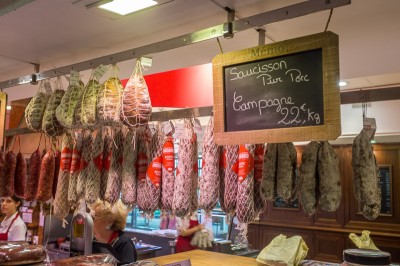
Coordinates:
(225,29)
(346,97)
(156,116)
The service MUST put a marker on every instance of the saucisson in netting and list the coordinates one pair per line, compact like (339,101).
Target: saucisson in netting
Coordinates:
(259,203)
(114,182)
(144,157)
(183,182)
(61,203)
(129,174)
(209,181)
(95,168)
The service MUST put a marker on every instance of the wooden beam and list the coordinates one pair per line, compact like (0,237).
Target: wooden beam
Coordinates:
(370,95)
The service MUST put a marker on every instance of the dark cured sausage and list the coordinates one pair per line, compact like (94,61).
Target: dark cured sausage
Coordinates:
(20,176)
(56,172)
(46,177)
(33,178)
(2,161)
(10,163)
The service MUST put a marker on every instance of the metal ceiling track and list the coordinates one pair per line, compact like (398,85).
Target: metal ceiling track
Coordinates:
(227,29)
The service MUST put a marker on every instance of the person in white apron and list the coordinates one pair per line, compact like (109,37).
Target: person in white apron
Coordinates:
(12,228)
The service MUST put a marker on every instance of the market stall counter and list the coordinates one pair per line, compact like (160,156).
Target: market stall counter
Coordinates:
(206,258)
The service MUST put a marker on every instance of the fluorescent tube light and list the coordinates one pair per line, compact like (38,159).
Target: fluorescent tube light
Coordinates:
(124,7)
(342,83)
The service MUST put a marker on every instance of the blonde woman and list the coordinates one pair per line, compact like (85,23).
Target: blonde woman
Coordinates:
(108,225)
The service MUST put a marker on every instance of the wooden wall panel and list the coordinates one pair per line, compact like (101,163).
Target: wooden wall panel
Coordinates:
(253,236)
(329,247)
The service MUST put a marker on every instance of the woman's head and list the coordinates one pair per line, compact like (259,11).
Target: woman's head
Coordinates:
(107,217)
(10,205)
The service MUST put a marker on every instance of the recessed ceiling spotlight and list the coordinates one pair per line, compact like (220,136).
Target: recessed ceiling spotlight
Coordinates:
(124,7)
(342,83)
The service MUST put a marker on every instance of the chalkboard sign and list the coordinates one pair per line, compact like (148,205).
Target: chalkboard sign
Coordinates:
(385,175)
(275,93)
(282,92)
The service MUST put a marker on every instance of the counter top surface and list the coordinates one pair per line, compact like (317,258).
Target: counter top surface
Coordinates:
(206,258)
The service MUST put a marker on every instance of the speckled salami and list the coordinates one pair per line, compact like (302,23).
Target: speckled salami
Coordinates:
(107,152)
(209,181)
(168,176)
(75,169)
(308,178)
(61,203)
(152,183)
(231,178)
(194,205)
(286,171)
(329,178)
(268,182)
(366,177)
(259,203)
(129,175)
(245,189)
(32,181)
(83,166)
(222,163)
(183,182)
(20,176)
(114,182)
(95,168)
(143,161)
(57,159)
(45,186)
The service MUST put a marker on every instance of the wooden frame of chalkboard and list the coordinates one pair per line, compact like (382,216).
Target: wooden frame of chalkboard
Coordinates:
(281,92)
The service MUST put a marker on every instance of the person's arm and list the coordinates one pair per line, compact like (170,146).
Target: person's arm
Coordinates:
(18,232)
(191,231)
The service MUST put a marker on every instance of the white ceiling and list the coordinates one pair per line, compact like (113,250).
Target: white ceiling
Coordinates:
(55,33)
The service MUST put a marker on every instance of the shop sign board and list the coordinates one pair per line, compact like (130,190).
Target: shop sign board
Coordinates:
(281,92)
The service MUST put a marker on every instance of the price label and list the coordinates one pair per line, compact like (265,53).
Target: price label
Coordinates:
(146,61)
(100,71)
(197,126)
(74,78)
(47,87)
(168,127)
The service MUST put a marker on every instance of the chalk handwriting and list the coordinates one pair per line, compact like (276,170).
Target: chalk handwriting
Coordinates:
(297,76)
(292,114)
(234,74)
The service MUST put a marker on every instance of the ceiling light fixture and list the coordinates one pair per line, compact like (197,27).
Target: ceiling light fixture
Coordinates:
(8,107)
(342,83)
(124,7)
